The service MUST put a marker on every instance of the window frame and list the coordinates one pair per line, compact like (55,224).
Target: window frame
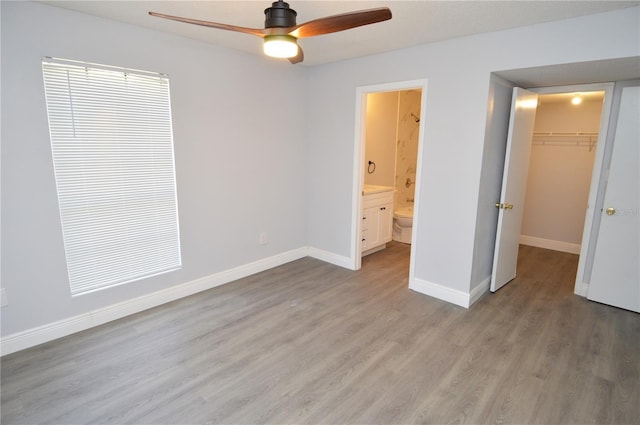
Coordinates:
(113,152)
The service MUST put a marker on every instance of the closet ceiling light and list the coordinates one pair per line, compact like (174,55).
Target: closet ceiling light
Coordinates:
(576,100)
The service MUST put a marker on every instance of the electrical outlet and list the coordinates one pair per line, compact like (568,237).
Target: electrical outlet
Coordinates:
(3,298)
(263,239)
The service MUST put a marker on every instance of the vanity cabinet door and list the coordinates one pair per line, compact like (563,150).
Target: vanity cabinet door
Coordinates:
(372,233)
(364,235)
(385,222)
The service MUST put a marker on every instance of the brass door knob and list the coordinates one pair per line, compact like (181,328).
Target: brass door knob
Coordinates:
(504,206)
(610,211)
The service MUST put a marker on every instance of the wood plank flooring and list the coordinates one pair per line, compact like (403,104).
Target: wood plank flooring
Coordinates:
(312,343)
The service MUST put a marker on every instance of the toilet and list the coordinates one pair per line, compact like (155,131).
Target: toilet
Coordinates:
(403,224)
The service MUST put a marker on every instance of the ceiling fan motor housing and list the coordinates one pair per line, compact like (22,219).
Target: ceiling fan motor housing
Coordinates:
(279,15)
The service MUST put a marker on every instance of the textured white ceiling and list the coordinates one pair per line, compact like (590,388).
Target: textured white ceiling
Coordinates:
(413,22)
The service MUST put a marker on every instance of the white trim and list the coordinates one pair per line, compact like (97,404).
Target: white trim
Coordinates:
(418,186)
(61,328)
(331,258)
(571,248)
(358,178)
(441,292)
(479,291)
(582,290)
(588,230)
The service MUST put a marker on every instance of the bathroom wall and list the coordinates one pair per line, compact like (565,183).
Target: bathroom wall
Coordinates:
(407,146)
(381,131)
(392,131)
(560,174)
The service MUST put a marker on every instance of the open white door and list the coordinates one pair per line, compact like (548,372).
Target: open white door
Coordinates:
(615,277)
(514,185)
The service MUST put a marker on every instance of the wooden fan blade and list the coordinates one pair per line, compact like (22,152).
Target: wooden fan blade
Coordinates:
(253,31)
(297,58)
(340,22)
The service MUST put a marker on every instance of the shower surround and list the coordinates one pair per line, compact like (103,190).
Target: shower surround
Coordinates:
(408,132)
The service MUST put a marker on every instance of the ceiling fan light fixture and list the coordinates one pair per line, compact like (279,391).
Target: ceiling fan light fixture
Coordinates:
(280,33)
(280,46)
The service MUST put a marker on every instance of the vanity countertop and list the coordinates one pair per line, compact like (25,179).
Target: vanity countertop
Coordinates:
(372,188)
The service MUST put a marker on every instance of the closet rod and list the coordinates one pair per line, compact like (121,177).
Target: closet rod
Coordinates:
(565,139)
(563,134)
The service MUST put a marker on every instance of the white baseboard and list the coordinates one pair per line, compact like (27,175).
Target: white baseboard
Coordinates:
(35,336)
(51,331)
(440,292)
(479,291)
(582,290)
(571,248)
(331,258)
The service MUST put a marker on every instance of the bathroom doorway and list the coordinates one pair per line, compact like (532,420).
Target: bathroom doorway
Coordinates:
(388,151)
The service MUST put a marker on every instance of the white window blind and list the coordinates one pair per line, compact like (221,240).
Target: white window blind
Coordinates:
(112,147)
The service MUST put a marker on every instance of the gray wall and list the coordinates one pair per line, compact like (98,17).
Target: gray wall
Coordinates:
(237,173)
(458,73)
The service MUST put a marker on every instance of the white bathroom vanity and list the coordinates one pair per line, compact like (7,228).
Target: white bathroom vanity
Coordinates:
(377,218)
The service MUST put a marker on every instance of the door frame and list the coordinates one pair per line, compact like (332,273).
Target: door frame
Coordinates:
(591,222)
(359,159)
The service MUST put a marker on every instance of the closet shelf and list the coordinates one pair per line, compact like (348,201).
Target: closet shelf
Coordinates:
(564,134)
(553,138)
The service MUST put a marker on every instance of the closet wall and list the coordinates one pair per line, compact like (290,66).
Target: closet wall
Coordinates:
(560,172)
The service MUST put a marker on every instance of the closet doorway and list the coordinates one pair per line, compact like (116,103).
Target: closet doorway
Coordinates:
(560,213)
(563,149)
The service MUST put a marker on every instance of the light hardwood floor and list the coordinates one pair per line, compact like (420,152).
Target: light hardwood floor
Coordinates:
(309,342)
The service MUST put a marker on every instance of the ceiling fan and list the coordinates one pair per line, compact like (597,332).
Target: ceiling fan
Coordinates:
(280,32)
